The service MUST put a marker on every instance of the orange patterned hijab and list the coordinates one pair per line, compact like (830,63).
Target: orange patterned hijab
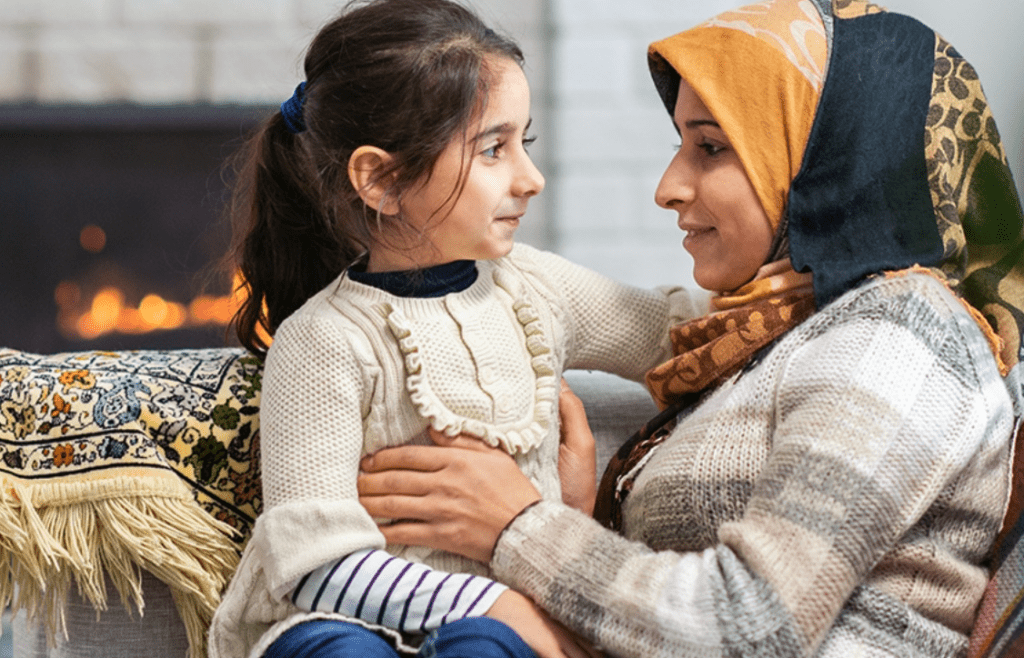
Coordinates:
(871,146)
(726,61)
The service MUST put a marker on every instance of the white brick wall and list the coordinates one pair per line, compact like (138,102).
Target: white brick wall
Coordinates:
(259,64)
(612,137)
(311,14)
(57,12)
(155,51)
(13,48)
(604,136)
(174,51)
(207,12)
(104,63)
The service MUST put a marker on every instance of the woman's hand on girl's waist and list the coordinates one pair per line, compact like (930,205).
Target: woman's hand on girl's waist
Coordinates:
(457,496)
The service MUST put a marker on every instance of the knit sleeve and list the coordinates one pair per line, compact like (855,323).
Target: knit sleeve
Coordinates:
(889,414)
(612,327)
(311,415)
(389,591)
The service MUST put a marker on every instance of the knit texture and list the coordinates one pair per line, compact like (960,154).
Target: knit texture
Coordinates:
(839,498)
(357,369)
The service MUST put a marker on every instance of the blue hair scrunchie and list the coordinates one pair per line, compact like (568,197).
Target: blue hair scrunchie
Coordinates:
(291,110)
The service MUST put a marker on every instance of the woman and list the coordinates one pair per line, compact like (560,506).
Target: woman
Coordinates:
(831,467)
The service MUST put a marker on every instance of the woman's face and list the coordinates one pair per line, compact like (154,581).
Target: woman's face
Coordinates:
(727,230)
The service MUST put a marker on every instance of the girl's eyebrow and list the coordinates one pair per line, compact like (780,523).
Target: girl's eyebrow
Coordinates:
(695,123)
(501,129)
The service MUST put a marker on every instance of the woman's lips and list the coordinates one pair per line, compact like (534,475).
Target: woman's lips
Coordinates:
(696,234)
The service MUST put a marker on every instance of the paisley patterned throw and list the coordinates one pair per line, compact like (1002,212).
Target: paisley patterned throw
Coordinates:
(115,462)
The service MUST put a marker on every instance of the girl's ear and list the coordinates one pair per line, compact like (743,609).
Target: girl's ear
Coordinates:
(364,171)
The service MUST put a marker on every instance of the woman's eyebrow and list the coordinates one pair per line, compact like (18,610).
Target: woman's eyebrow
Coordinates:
(695,123)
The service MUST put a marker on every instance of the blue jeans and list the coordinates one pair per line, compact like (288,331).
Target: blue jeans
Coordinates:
(473,637)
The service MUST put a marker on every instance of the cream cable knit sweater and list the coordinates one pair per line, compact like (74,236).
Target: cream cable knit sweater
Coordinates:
(357,369)
(838,499)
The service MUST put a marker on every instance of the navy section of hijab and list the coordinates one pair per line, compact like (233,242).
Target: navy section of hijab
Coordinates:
(436,281)
(861,202)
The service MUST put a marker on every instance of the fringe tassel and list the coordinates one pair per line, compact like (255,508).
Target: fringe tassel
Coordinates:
(12,542)
(51,533)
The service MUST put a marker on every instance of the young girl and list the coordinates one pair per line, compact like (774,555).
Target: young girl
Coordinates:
(378,211)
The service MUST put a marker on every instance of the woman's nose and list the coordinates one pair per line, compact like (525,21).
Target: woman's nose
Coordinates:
(676,186)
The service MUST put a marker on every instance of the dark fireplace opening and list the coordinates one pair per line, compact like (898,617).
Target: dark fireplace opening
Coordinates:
(110,221)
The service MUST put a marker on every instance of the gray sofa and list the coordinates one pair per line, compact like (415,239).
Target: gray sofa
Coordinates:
(214,394)
(616,407)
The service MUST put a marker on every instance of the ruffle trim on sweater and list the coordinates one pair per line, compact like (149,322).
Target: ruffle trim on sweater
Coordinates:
(516,437)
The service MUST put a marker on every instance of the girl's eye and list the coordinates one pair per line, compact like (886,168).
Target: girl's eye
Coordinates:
(493,151)
(528,142)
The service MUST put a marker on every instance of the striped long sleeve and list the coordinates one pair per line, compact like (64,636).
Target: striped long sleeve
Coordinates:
(389,591)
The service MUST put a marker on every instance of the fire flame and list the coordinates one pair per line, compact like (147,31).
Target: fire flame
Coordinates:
(108,312)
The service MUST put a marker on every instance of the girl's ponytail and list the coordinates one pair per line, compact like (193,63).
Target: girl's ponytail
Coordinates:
(287,246)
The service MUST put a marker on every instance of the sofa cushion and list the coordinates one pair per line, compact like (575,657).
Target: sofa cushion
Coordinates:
(112,463)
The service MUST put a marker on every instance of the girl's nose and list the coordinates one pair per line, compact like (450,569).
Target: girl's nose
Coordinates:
(529,181)
(676,186)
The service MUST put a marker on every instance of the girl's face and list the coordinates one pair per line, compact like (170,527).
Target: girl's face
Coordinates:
(727,230)
(479,220)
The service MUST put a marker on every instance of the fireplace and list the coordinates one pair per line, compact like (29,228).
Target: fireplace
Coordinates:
(110,221)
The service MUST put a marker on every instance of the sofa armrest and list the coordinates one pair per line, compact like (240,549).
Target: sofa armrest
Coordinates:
(116,632)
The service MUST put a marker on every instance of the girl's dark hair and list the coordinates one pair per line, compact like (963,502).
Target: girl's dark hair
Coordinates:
(406,76)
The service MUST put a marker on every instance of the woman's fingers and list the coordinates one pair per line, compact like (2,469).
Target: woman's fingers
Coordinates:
(546,637)
(423,458)
(574,428)
(464,441)
(404,458)
(392,505)
(460,499)
(577,459)
(407,482)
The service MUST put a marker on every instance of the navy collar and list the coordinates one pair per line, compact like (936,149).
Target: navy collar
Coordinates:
(436,281)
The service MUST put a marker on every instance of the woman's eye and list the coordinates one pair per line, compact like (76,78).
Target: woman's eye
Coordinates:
(493,151)
(528,142)
(710,148)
